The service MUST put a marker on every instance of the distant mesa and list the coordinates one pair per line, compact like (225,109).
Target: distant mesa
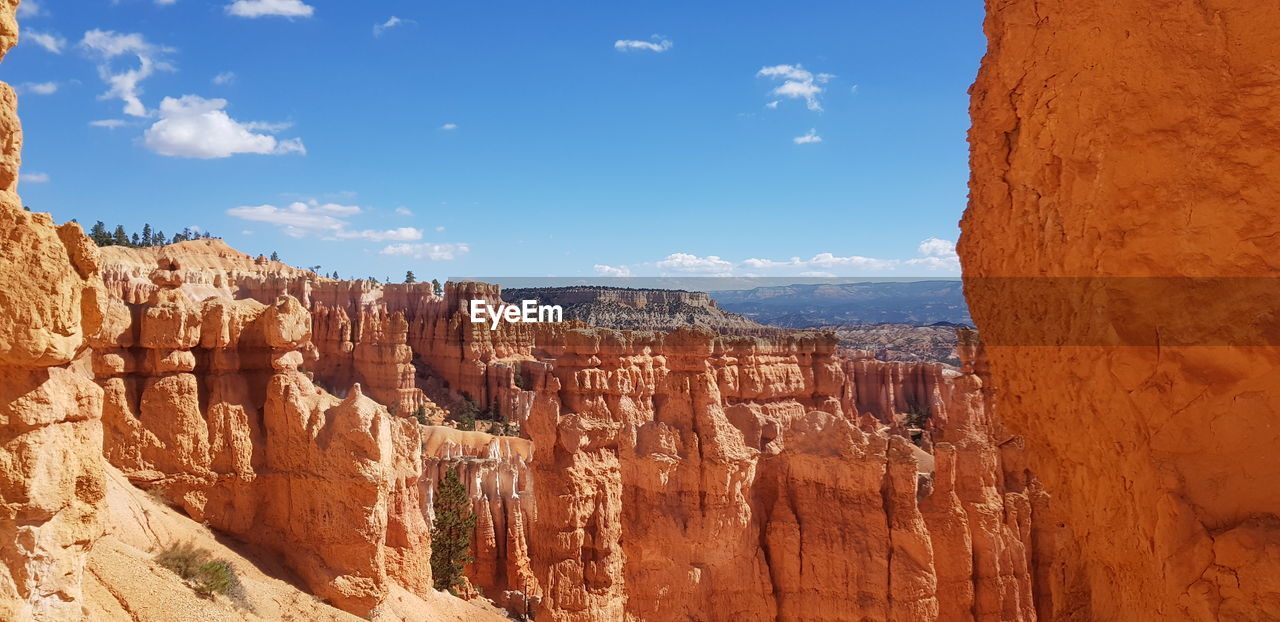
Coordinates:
(916,303)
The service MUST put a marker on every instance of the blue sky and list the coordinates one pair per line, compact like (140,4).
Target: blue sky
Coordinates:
(511,138)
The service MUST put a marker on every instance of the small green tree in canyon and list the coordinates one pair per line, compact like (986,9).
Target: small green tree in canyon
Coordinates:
(451,532)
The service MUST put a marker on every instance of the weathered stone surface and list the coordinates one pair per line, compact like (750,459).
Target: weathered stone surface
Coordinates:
(51,482)
(675,474)
(1125,148)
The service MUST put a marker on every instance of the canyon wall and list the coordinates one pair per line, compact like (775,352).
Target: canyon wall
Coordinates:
(670,474)
(495,470)
(696,476)
(206,404)
(51,479)
(1119,259)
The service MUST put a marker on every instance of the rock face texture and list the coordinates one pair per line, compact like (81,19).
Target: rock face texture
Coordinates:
(206,402)
(680,474)
(1129,151)
(899,342)
(720,478)
(496,471)
(51,480)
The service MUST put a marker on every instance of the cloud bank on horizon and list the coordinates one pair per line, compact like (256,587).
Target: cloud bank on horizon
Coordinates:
(934,256)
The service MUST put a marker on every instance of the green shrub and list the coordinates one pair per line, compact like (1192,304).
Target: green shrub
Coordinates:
(206,575)
(216,577)
(464,413)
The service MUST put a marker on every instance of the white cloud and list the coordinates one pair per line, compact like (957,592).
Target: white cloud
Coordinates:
(48,41)
(40,88)
(809,137)
(404,211)
(619,271)
(435,252)
(110,124)
(378,29)
(194,127)
(936,254)
(773,105)
(449,126)
(224,78)
(34,178)
(28,8)
(798,83)
(935,247)
(933,255)
(658,44)
(327,221)
(440,229)
(684,262)
(108,45)
(270,8)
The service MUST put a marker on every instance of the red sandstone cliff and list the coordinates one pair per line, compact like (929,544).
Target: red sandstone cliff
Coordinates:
(675,474)
(51,482)
(720,479)
(1120,139)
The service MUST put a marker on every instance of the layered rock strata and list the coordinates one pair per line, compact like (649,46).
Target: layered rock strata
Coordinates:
(206,402)
(51,479)
(694,474)
(713,478)
(495,470)
(1119,257)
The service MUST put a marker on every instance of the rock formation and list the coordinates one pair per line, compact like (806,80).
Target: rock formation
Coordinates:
(899,342)
(635,309)
(250,446)
(51,481)
(720,478)
(790,456)
(1119,257)
(496,471)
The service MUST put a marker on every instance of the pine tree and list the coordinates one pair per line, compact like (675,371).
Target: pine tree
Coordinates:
(99,233)
(409,277)
(146,234)
(275,256)
(436,288)
(160,240)
(120,238)
(451,532)
(133,241)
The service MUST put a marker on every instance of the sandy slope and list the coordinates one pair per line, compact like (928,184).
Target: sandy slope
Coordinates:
(123,583)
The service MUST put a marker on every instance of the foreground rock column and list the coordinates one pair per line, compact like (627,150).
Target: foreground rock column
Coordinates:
(1117,147)
(51,483)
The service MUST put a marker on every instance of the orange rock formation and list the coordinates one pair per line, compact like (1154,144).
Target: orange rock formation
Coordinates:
(679,474)
(1116,144)
(207,403)
(51,481)
(719,478)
